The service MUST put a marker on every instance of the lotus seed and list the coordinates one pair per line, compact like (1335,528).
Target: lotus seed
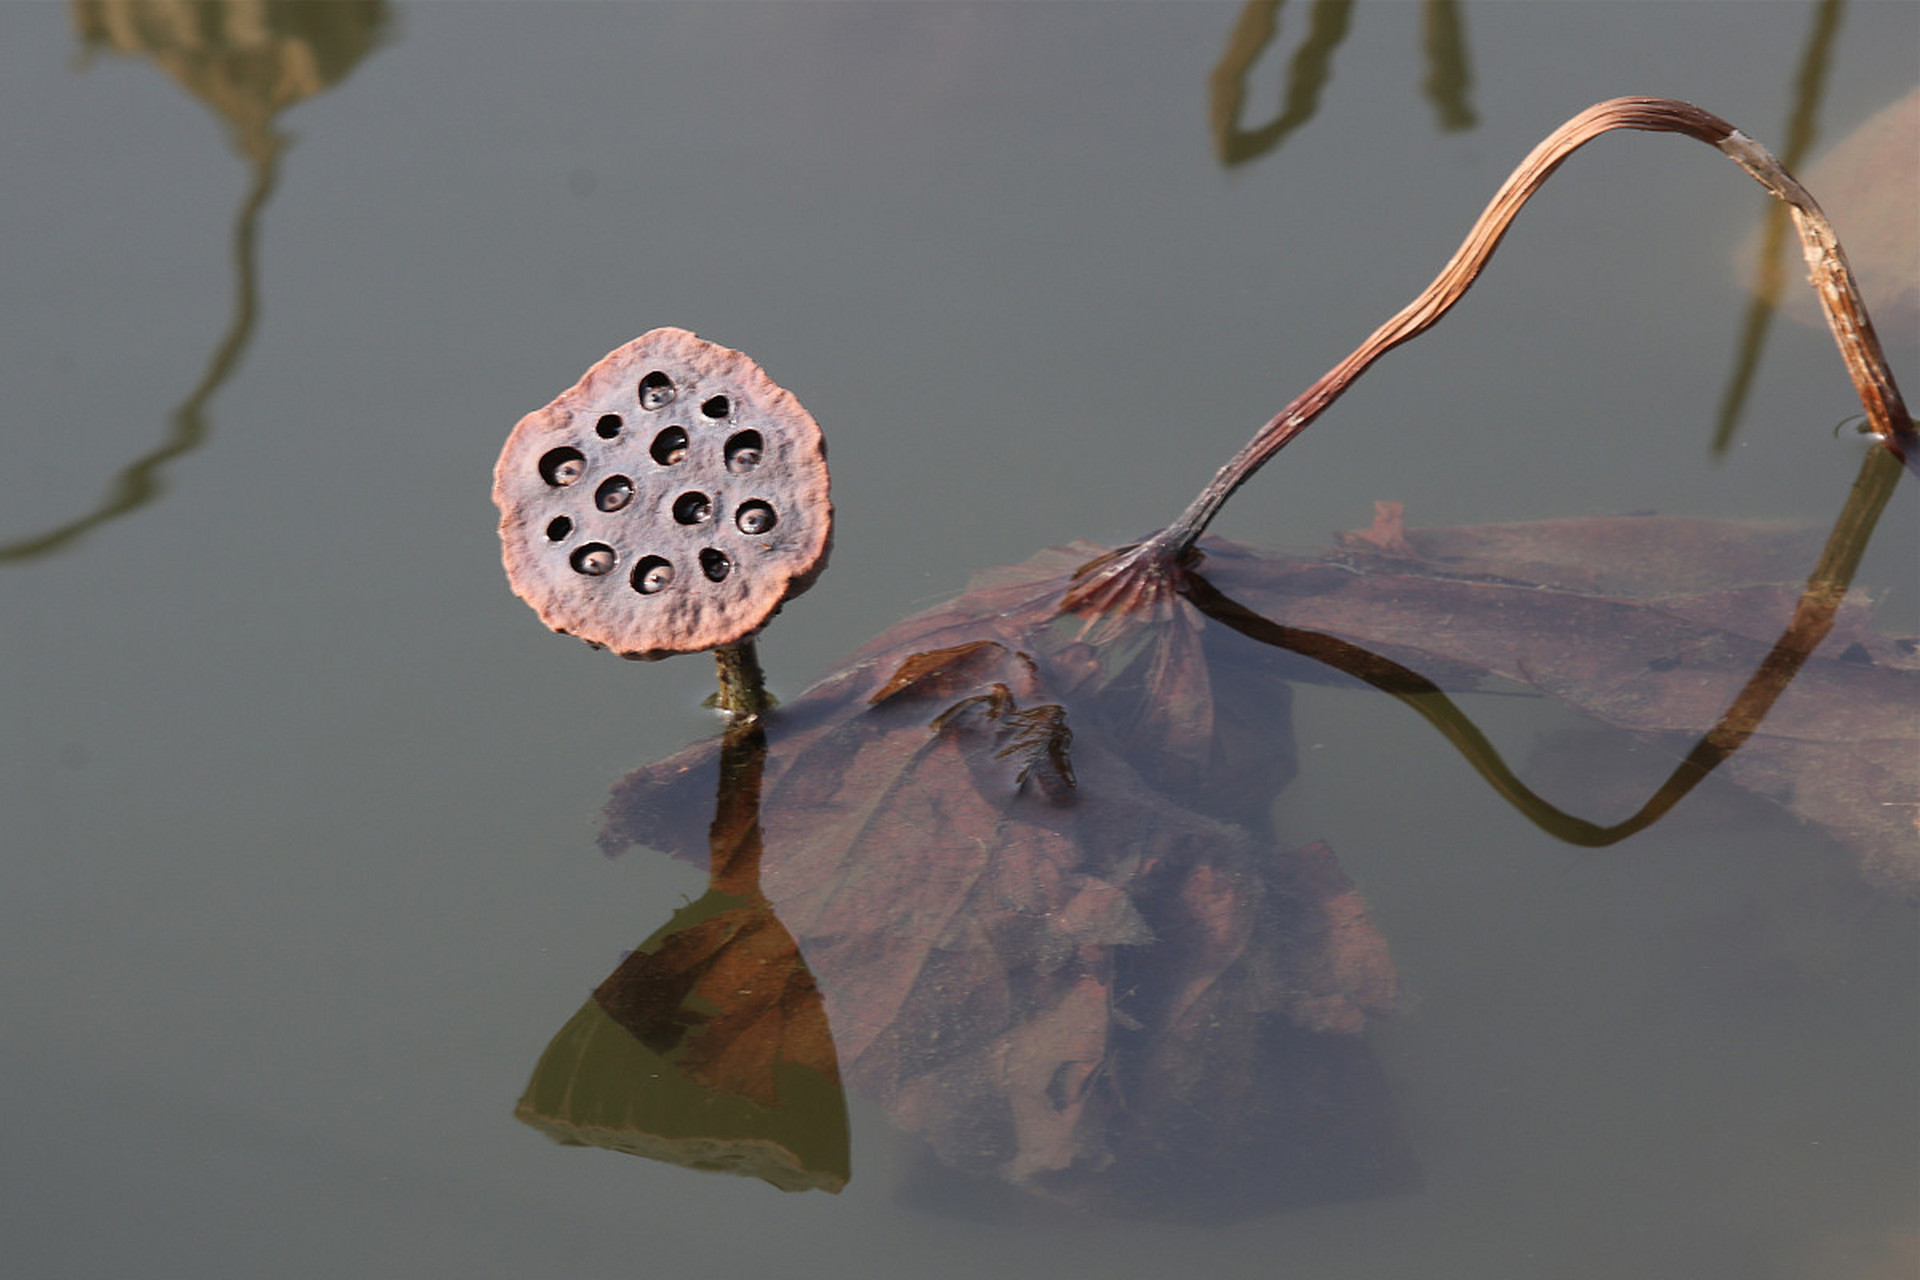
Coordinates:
(593,560)
(656,391)
(692,508)
(743,451)
(652,576)
(669,447)
(754,517)
(561,467)
(614,493)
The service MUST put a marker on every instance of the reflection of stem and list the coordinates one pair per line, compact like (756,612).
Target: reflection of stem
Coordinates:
(1448,77)
(734,840)
(139,483)
(1770,279)
(1312,68)
(1812,619)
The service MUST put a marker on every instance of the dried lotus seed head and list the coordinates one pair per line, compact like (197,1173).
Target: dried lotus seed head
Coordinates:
(668,502)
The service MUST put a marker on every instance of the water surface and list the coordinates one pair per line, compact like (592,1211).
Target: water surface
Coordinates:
(300,803)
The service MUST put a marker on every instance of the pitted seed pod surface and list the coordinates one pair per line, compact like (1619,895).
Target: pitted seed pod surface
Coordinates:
(668,502)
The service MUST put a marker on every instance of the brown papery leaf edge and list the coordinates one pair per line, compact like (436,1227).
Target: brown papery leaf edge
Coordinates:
(1130,576)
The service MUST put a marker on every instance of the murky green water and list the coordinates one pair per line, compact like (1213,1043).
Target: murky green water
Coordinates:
(299,803)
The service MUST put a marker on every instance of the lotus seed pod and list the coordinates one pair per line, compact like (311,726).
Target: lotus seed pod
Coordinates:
(670,501)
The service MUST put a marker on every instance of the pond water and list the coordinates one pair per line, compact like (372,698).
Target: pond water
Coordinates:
(299,804)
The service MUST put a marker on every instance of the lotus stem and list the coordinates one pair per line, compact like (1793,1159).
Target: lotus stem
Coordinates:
(743,695)
(1831,277)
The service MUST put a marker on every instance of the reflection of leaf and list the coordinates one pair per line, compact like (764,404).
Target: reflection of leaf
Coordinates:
(247,59)
(1631,621)
(709,1045)
(723,991)
(742,1094)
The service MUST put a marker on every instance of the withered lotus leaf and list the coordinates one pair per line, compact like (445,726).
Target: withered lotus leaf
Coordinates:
(1048,936)
(1028,854)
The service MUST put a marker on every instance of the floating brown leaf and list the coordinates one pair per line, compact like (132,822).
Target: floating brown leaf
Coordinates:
(1050,938)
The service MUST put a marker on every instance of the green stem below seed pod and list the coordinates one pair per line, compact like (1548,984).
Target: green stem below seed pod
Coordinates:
(743,690)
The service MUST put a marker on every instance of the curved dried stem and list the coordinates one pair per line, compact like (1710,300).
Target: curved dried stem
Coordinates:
(1831,277)
(1846,313)
(1770,277)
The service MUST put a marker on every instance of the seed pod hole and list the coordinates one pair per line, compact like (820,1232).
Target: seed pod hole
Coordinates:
(652,576)
(559,529)
(754,517)
(614,493)
(744,449)
(608,427)
(692,508)
(670,446)
(716,406)
(715,564)
(593,559)
(561,467)
(657,391)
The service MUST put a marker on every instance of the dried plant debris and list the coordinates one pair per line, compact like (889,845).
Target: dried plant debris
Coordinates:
(669,502)
(1024,840)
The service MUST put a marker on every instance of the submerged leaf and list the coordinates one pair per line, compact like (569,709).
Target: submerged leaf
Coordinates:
(1041,945)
